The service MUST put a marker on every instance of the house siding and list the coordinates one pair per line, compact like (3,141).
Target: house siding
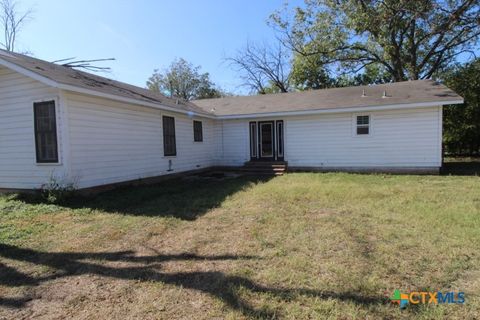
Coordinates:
(399,139)
(102,141)
(234,143)
(113,142)
(18,167)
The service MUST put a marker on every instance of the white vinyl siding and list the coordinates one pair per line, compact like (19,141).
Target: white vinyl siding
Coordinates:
(402,138)
(113,142)
(234,142)
(101,141)
(18,167)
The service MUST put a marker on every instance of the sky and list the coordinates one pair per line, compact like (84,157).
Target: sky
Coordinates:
(143,35)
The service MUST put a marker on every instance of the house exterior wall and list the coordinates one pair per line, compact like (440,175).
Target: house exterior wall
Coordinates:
(113,142)
(101,141)
(232,142)
(18,167)
(407,138)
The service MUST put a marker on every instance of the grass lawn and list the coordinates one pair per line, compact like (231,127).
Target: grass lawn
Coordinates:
(299,246)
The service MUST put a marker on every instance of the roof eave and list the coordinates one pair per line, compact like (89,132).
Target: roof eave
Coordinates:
(340,110)
(131,101)
(49,82)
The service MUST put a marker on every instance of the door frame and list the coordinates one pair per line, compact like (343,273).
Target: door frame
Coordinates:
(255,142)
(259,152)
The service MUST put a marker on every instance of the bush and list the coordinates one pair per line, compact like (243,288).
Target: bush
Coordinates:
(57,190)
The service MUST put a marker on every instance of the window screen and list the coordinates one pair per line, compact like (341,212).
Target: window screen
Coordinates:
(169,144)
(45,132)
(197,131)
(363,125)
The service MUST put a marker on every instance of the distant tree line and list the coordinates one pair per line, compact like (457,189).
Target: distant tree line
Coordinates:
(462,122)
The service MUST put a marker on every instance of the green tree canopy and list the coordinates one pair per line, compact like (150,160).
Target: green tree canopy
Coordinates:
(308,72)
(372,74)
(462,122)
(408,39)
(183,80)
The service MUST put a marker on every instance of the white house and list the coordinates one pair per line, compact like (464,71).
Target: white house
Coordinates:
(75,126)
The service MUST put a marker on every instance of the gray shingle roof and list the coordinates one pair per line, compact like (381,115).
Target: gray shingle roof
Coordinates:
(407,92)
(84,80)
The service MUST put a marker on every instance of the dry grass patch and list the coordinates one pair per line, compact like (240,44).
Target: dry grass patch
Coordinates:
(297,246)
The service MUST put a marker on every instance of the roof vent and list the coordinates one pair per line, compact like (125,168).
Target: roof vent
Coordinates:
(363,93)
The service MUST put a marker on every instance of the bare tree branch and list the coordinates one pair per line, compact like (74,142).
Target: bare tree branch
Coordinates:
(84,64)
(12,22)
(263,67)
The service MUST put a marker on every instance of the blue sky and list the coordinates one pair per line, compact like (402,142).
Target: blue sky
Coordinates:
(143,35)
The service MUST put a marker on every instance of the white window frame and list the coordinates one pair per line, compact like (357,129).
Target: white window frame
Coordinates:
(201,131)
(355,125)
(58,123)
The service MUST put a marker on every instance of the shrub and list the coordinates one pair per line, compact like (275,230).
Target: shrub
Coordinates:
(57,190)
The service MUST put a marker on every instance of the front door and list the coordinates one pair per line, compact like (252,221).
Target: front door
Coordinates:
(266,140)
(266,131)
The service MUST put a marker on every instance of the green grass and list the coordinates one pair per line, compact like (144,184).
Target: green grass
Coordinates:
(302,245)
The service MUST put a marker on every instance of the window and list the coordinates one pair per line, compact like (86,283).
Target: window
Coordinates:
(45,125)
(197,131)
(280,138)
(363,125)
(253,140)
(169,145)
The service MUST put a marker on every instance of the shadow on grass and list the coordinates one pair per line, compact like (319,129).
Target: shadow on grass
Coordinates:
(461,168)
(217,284)
(183,198)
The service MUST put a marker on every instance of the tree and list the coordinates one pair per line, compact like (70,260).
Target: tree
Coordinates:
(182,80)
(409,39)
(12,21)
(263,68)
(372,74)
(462,122)
(309,73)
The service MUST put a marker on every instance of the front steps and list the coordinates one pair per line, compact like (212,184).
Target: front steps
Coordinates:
(276,168)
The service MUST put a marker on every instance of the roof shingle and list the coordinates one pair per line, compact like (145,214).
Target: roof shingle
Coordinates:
(407,92)
(80,79)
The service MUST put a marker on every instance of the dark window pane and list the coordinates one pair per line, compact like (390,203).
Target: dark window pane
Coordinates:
(45,132)
(280,138)
(362,130)
(253,139)
(197,131)
(363,120)
(169,145)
